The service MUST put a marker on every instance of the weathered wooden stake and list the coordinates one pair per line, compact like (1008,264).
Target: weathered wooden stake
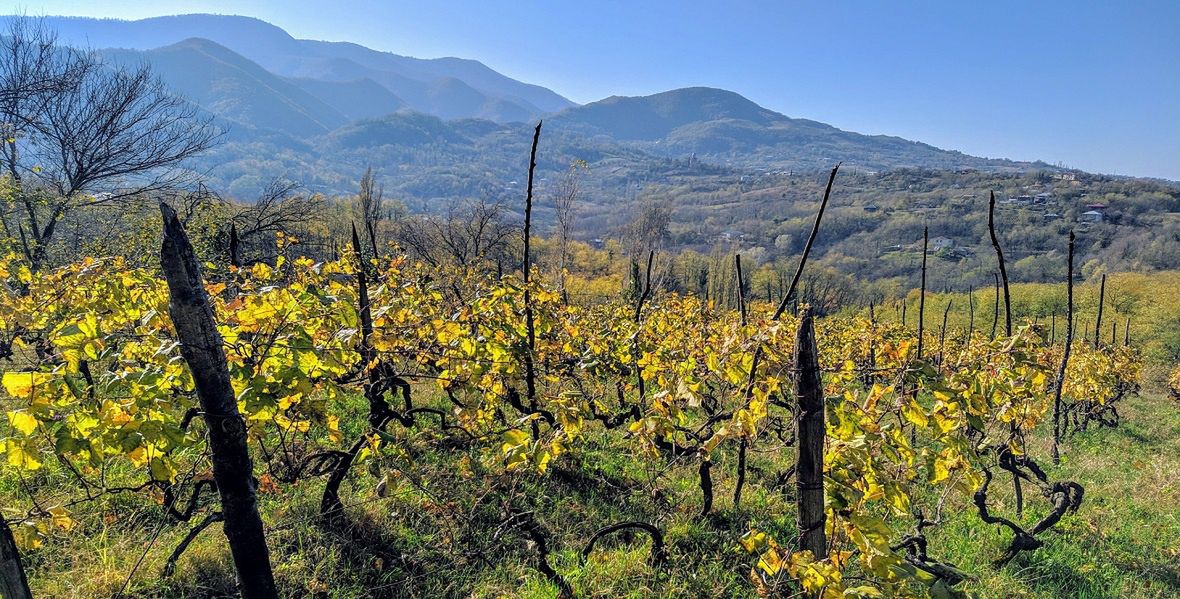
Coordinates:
(996,306)
(530,326)
(1098,321)
(1065,354)
(991,229)
(809,469)
(13,583)
(970,312)
(741,465)
(203,349)
(942,331)
(922,292)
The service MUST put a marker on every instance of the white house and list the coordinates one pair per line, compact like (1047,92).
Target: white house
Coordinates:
(941,243)
(1092,216)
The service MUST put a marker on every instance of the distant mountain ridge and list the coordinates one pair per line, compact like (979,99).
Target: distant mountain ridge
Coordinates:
(449,128)
(444,87)
(723,125)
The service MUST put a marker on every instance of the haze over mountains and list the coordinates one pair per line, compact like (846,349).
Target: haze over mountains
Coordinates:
(321,112)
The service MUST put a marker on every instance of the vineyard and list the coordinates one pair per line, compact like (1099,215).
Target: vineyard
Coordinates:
(411,425)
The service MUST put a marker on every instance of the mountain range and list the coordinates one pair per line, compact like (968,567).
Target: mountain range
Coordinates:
(321,112)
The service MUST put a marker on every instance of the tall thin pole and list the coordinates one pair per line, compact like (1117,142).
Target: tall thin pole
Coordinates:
(530,327)
(991,228)
(782,307)
(922,291)
(996,306)
(1064,355)
(1098,321)
(970,312)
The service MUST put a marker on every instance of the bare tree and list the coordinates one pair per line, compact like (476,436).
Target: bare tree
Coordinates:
(371,198)
(189,203)
(471,236)
(826,291)
(32,69)
(648,230)
(565,204)
(81,133)
(278,209)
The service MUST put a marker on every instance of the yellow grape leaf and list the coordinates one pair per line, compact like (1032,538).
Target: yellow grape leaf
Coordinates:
(514,438)
(26,536)
(771,562)
(873,532)
(163,470)
(1038,379)
(60,518)
(543,459)
(863,591)
(334,428)
(138,456)
(19,457)
(22,384)
(813,577)
(897,498)
(23,422)
(914,413)
(941,470)
(752,541)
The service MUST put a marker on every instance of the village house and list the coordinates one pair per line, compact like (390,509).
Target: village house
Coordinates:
(941,243)
(936,244)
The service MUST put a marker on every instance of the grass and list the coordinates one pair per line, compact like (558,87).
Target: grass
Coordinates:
(1123,542)
(430,537)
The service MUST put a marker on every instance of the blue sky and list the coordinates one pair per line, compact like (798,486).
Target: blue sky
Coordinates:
(1092,85)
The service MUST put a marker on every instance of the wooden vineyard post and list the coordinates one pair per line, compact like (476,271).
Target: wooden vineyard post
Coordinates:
(202,347)
(13,583)
(741,465)
(809,469)
(991,229)
(922,293)
(996,306)
(970,313)
(1098,321)
(1064,355)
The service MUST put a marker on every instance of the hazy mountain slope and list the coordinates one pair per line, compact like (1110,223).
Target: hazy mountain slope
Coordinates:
(487,94)
(471,72)
(356,99)
(627,142)
(323,111)
(650,118)
(720,124)
(234,88)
